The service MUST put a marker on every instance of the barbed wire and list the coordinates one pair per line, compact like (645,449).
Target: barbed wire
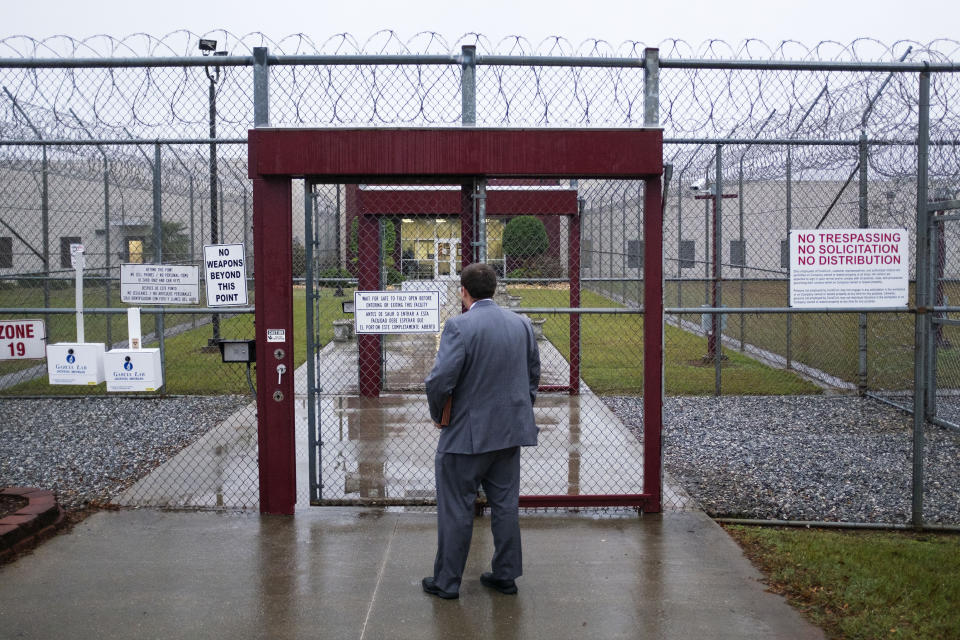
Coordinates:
(173,102)
(389,42)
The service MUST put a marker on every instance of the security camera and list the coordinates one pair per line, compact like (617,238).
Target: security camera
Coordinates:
(700,185)
(206,46)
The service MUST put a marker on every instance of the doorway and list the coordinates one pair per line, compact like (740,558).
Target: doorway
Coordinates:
(446,260)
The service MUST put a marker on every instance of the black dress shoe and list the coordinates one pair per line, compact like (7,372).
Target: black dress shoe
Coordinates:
(508,587)
(430,586)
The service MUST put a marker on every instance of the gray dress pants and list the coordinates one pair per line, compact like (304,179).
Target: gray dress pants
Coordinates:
(458,477)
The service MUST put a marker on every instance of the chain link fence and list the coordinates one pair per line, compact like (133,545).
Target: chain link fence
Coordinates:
(135,148)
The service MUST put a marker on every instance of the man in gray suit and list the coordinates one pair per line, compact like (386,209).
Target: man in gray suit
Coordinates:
(488,362)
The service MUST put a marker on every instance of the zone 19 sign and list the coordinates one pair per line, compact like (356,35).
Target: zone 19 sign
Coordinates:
(22,339)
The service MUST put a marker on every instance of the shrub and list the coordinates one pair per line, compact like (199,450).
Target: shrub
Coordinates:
(525,237)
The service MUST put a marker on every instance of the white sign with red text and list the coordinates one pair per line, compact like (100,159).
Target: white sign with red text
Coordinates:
(22,339)
(865,268)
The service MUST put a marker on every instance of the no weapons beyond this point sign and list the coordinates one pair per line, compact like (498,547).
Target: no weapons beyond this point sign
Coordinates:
(226,269)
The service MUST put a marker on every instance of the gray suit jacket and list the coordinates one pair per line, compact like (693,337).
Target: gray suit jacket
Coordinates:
(489,361)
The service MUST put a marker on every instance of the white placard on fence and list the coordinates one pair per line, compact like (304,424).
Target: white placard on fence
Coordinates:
(396,311)
(226,269)
(159,284)
(849,268)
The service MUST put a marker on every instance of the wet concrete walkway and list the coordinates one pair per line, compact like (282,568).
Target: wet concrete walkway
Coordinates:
(355,573)
(383,448)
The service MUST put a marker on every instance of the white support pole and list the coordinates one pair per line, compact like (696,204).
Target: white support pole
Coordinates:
(76,257)
(133,327)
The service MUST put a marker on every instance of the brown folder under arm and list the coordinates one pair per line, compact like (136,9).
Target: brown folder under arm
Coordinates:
(445,414)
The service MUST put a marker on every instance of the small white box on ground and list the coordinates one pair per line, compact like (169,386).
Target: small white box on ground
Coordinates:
(75,363)
(133,370)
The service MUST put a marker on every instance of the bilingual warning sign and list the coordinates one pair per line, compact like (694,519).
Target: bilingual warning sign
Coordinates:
(226,269)
(397,311)
(849,268)
(159,284)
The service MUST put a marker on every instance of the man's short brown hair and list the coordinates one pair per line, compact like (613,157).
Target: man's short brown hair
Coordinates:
(479,279)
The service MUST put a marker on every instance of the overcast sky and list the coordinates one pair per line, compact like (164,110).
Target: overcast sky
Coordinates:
(808,21)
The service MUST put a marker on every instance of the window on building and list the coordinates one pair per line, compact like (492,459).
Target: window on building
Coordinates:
(134,250)
(6,253)
(586,254)
(688,254)
(65,242)
(784,254)
(634,254)
(738,253)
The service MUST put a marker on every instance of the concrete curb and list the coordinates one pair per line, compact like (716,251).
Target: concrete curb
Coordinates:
(39,518)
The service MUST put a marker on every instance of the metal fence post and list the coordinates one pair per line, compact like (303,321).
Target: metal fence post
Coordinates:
(707,234)
(45,223)
(789,349)
(668,175)
(864,223)
(193,239)
(651,87)
(680,241)
(158,248)
(718,273)
(222,210)
(743,258)
(308,231)
(480,196)
(214,180)
(608,286)
(935,266)
(922,300)
(106,244)
(468,118)
(468,85)
(261,87)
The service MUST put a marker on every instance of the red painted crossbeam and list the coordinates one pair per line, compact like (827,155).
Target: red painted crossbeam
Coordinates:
(439,201)
(454,153)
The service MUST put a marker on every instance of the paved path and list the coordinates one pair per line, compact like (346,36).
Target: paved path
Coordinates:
(354,573)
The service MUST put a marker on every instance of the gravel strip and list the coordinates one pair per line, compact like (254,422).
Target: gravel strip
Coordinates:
(91,449)
(794,458)
(816,458)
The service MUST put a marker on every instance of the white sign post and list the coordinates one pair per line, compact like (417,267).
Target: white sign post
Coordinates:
(396,311)
(22,339)
(78,262)
(865,268)
(159,284)
(226,274)
(76,362)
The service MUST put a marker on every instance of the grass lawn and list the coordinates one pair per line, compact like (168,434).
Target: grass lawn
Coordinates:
(829,342)
(863,585)
(191,369)
(612,353)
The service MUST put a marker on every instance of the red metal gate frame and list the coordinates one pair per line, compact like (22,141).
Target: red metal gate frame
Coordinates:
(458,156)
(367,207)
